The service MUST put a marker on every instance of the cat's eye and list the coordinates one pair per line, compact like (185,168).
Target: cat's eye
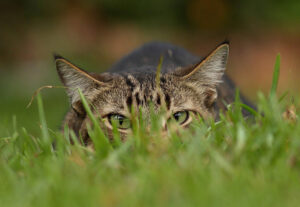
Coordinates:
(181,116)
(119,121)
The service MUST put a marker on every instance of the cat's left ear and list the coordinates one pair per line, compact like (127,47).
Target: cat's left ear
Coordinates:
(207,74)
(210,70)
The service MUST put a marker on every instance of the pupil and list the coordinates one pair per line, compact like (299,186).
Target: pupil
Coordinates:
(121,121)
(176,116)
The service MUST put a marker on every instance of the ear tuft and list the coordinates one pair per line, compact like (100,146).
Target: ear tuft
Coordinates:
(57,56)
(210,98)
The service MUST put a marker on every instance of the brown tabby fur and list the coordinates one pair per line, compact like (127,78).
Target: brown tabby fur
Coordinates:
(186,83)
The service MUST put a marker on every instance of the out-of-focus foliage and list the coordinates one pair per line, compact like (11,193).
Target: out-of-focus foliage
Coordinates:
(177,12)
(205,16)
(96,33)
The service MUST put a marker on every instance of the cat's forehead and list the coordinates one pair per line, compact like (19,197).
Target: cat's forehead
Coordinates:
(138,89)
(147,92)
(143,88)
(139,78)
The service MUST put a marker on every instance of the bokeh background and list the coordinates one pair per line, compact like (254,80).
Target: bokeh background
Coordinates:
(94,34)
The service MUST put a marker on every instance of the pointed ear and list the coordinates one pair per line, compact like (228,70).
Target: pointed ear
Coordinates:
(75,78)
(210,70)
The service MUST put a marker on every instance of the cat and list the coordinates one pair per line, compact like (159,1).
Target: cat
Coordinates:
(186,86)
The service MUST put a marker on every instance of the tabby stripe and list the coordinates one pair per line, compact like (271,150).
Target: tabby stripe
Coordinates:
(168,101)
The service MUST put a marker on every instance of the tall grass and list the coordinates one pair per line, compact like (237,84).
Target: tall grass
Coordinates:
(233,162)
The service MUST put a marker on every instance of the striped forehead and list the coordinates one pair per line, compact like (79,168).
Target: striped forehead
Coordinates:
(143,90)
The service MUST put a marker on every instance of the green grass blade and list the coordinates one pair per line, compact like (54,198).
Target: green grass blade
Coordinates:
(275,76)
(45,133)
(283,96)
(101,142)
(249,109)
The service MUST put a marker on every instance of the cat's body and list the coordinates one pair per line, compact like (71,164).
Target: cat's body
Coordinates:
(187,84)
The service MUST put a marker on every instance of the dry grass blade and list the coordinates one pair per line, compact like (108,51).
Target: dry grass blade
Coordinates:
(38,90)
(290,114)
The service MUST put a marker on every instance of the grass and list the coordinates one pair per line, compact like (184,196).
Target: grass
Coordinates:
(233,162)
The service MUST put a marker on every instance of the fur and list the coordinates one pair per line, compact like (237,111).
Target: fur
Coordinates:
(186,83)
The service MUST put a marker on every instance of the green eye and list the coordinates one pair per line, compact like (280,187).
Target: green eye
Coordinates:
(181,116)
(119,121)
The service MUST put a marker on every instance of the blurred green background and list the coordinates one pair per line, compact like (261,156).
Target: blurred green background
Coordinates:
(94,34)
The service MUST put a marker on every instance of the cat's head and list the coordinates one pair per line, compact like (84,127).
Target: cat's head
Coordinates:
(182,93)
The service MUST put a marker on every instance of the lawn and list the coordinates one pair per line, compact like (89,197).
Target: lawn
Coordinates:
(235,161)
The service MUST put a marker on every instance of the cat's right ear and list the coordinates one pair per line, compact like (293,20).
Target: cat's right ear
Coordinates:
(75,78)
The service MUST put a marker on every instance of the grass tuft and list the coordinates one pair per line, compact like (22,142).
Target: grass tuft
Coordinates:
(232,162)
